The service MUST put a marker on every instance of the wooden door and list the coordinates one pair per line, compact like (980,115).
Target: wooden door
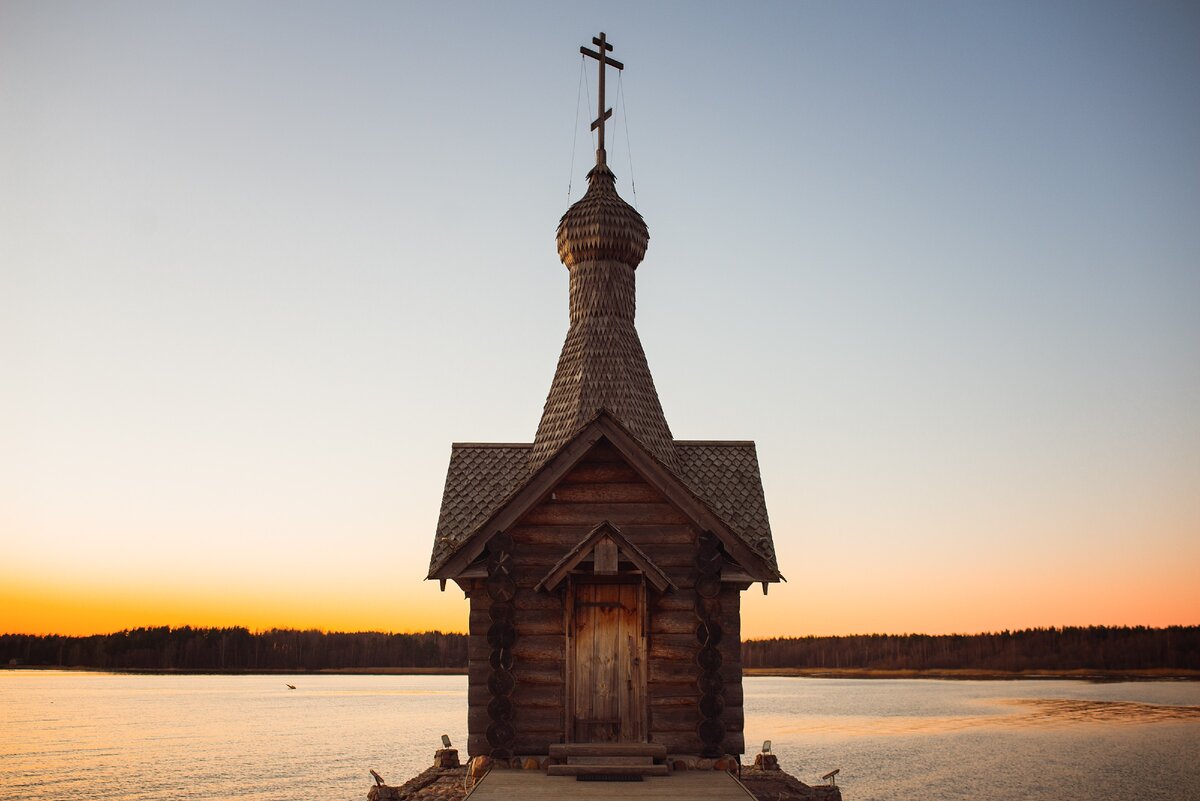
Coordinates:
(609,693)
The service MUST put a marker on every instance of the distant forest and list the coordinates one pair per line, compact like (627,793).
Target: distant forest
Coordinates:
(1071,648)
(1090,648)
(238,648)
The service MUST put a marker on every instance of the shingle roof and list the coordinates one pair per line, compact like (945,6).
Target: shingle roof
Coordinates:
(481,477)
(726,477)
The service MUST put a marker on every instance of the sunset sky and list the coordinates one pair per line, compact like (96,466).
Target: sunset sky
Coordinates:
(261,263)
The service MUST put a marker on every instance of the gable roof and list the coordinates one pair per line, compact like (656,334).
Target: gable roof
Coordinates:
(482,479)
(632,553)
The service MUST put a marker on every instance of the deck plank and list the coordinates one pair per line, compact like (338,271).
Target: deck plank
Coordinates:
(527,785)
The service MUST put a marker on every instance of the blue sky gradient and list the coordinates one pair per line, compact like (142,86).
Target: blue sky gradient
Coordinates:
(261,263)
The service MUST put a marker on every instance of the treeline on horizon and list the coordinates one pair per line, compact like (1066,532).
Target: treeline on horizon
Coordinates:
(1068,648)
(234,649)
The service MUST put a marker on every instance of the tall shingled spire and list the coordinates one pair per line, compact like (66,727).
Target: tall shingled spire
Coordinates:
(601,240)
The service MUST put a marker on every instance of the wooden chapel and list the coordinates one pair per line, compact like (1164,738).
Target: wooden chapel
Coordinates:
(605,560)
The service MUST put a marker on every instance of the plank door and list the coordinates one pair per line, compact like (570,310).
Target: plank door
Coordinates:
(609,694)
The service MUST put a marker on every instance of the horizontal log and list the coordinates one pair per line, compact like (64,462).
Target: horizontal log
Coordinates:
(632,492)
(683,600)
(680,718)
(524,744)
(543,674)
(524,695)
(553,513)
(596,471)
(685,621)
(536,648)
(689,743)
(673,646)
(677,742)
(671,671)
(659,534)
(566,537)
(603,452)
(525,720)
(681,694)
(674,718)
(528,622)
(526,599)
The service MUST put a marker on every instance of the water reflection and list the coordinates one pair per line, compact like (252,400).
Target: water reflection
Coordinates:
(1006,713)
(136,738)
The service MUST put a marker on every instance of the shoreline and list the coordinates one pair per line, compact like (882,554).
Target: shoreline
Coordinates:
(958,674)
(973,674)
(379,671)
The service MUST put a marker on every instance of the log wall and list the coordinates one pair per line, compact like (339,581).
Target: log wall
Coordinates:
(604,487)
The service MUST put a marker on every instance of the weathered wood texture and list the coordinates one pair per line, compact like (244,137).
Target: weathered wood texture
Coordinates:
(533,785)
(603,487)
(672,687)
(608,702)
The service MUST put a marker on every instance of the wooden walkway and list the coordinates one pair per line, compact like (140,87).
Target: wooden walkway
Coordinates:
(530,785)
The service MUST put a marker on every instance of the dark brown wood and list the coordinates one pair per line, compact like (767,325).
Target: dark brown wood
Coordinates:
(534,648)
(594,471)
(544,704)
(601,55)
(533,491)
(524,743)
(686,694)
(672,671)
(525,719)
(673,646)
(689,507)
(529,622)
(546,674)
(604,558)
(684,499)
(605,531)
(568,514)
(568,750)
(525,694)
(626,492)
(600,770)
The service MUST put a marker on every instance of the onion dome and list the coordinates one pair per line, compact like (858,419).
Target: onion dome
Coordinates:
(600,226)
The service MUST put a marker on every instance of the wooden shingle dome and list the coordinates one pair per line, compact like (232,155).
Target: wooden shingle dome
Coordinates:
(601,240)
(601,226)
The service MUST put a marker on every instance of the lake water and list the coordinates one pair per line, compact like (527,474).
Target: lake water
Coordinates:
(134,738)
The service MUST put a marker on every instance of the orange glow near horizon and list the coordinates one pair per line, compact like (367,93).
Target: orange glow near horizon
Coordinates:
(819,603)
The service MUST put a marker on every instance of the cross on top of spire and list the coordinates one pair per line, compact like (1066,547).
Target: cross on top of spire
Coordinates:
(601,54)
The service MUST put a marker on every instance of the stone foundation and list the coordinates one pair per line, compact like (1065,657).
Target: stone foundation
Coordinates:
(432,784)
(774,784)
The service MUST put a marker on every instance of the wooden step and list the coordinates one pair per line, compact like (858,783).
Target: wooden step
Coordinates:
(567,750)
(596,770)
(615,759)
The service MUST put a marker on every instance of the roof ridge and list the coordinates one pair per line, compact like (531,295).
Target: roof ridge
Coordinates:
(491,444)
(714,442)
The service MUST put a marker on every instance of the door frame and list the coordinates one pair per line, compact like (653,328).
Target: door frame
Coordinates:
(642,647)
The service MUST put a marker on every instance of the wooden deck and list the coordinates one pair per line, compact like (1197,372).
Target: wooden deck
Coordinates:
(528,785)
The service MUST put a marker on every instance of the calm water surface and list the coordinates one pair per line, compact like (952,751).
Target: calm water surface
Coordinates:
(135,738)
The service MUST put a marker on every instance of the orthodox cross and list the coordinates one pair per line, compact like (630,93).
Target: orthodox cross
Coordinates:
(601,54)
